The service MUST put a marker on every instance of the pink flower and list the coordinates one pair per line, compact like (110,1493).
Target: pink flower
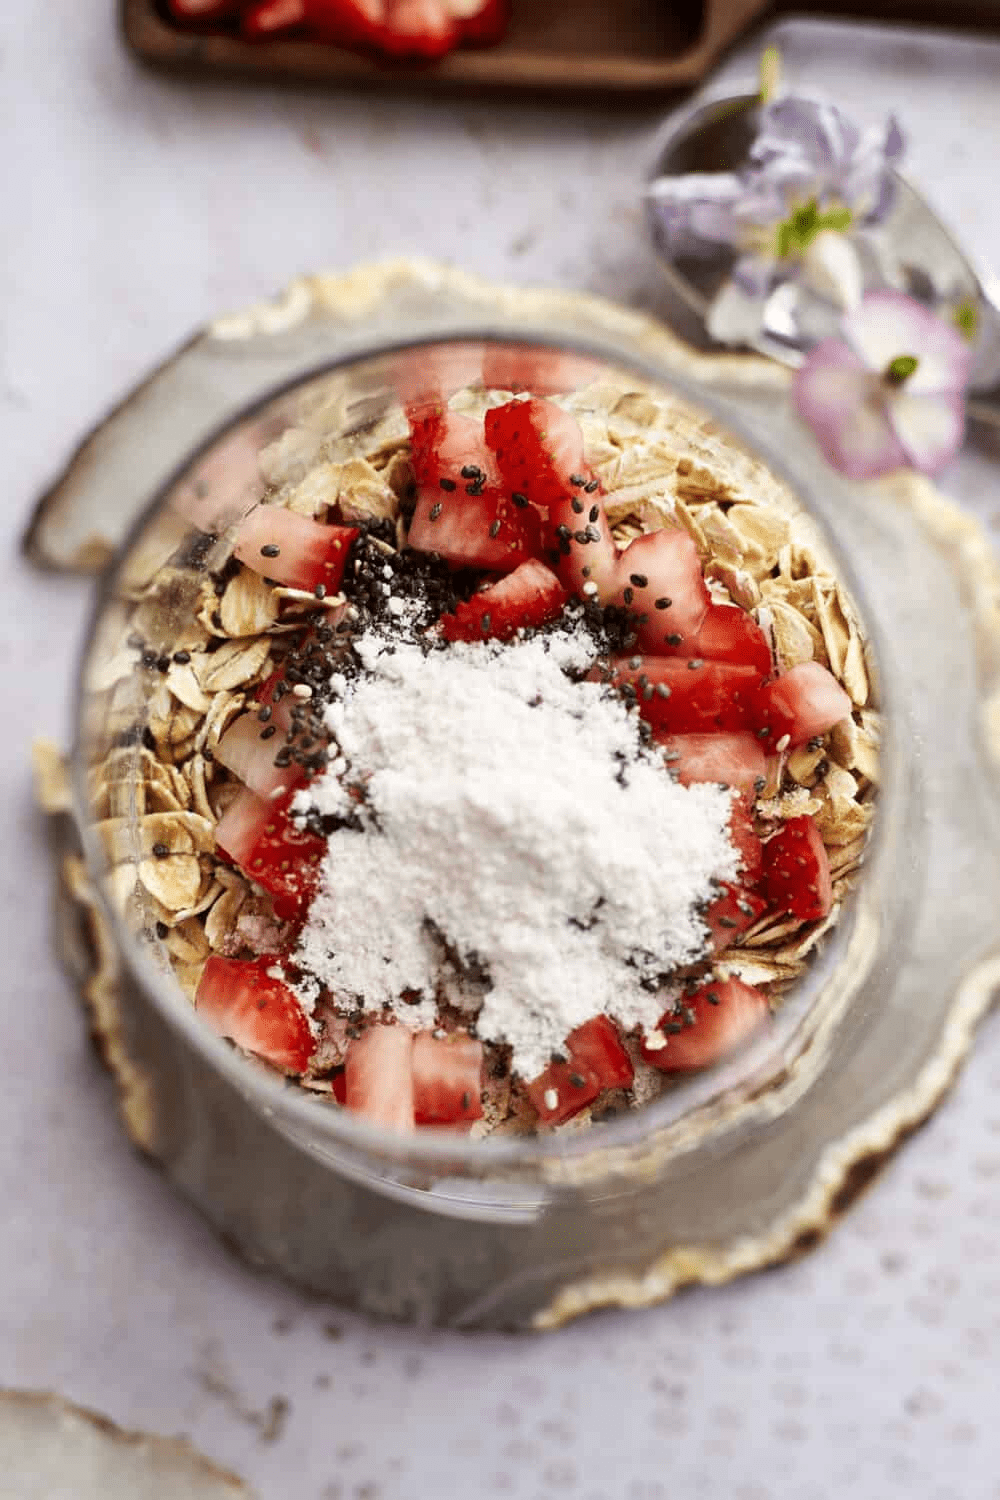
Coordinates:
(889,394)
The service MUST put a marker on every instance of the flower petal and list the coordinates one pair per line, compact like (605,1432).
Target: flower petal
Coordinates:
(831,269)
(930,428)
(736,315)
(834,394)
(887,324)
(695,208)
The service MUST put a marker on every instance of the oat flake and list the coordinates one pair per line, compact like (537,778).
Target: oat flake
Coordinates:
(511,812)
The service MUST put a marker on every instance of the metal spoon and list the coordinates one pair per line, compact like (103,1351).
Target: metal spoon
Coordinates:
(716,136)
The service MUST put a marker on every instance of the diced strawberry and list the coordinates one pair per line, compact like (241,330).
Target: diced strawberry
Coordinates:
(530,596)
(735,760)
(242,750)
(244,1000)
(378,1076)
(688,697)
(273,18)
(259,836)
(269,695)
(659,578)
(747,844)
(726,633)
(595,1061)
(463,512)
(801,703)
(484,28)
(797,871)
(539,448)
(292,549)
(731,914)
(447,1078)
(202,10)
(707,1026)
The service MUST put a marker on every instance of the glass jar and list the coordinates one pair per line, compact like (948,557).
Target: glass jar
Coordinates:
(725,1171)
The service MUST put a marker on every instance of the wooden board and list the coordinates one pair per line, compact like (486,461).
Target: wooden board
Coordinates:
(595,47)
(553,46)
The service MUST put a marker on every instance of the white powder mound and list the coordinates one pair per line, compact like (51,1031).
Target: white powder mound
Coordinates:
(511,814)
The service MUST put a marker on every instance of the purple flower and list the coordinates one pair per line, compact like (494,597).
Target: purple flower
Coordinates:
(889,393)
(810,168)
(810,172)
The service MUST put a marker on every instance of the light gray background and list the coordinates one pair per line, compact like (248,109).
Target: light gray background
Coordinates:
(135,206)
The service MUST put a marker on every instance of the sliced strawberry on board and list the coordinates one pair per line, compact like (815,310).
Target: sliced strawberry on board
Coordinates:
(248,750)
(482,23)
(245,1000)
(530,596)
(735,760)
(463,511)
(797,871)
(803,702)
(273,18)
(731,913)
(687,697)
(447,1078)
(202,10)
(707,1026)
(726,633)
(378,1076)
(259,836)
(659,578)
(539,448)
(293,549)
(595,1061)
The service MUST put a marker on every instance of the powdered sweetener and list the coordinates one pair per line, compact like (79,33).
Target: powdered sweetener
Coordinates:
(511,822)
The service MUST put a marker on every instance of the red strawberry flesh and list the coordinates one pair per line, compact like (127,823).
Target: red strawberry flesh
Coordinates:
(708,1026)
(595,1061)
(245,1000)
(800,704)
(797,871)
(530,596)
(463,512)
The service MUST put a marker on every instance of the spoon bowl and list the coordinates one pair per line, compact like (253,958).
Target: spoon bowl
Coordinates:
(716,135)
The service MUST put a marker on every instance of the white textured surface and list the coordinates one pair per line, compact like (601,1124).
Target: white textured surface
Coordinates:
(134,207)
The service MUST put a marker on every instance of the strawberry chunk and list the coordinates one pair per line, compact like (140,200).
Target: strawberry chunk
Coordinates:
(688,697)
(193,11)
(260,837)
(747,844)
(735,760)
(706,1026)
(530,596)
(726,633)
(595,1061)
(463,512)
(797,871)
(731,913)
(447,1079)
(801,703)
(378,1076)
(292,549)
(659,578)
(250,757)
(539,449)
(243,999)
